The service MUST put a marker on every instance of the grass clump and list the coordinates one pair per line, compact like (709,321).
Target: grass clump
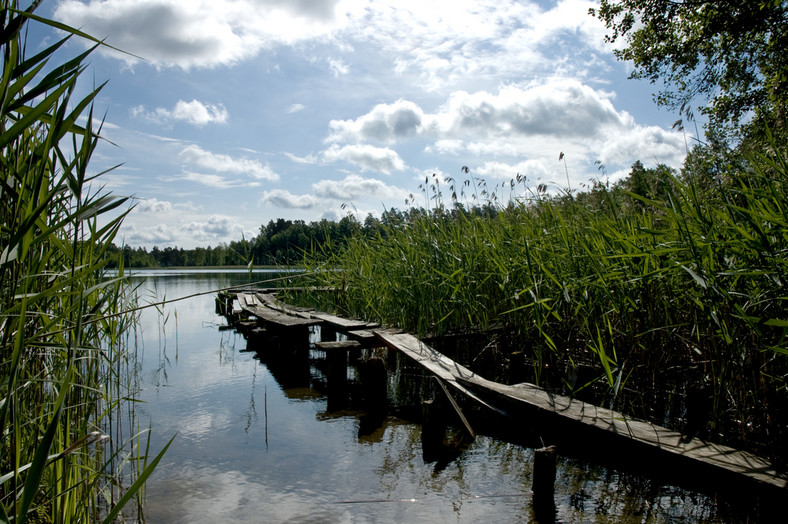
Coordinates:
(64,373)
(662,296)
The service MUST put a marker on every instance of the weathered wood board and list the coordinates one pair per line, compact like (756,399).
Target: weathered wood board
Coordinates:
(253,306)
(339,322)
(272,302)
(440,365)
(342,344)
(639,431)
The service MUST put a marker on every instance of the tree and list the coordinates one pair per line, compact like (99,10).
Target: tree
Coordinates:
(729,52)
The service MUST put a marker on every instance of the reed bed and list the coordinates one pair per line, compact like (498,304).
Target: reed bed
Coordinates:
(669,305)
(67,453)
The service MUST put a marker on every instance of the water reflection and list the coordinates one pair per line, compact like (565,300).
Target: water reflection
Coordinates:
(269,432)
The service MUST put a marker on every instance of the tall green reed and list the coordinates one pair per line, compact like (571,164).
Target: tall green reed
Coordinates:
(61,323)
(675,292)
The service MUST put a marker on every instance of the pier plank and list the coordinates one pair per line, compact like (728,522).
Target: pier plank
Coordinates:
(270,301)
(589,415)
(339,322)
(341,344)
(272,312)
(253,306)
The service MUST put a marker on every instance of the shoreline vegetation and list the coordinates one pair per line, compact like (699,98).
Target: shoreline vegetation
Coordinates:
(71,449)
(662,296)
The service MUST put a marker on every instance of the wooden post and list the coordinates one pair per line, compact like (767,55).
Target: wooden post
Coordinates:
(375,384)
(433,430)
(544,484)
(327,333)
(337,367)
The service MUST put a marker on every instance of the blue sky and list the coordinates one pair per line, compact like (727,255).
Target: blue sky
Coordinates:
(244,111)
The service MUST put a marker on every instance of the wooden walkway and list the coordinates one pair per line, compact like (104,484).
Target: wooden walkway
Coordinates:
(639,431)
(723,459)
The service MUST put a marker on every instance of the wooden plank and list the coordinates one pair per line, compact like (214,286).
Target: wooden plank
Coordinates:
(646,433)
(457,409)
(272,302)
(440,365)
(342,324)
(341,344)
(361,335)
(251,305)
(725,457)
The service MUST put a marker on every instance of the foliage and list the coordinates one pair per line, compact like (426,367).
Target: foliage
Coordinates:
(62,367)
(662,289)
(729,52)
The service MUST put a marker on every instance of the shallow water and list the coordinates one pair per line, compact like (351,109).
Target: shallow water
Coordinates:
(262,443)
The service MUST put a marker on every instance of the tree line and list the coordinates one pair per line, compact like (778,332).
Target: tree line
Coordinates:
(284,242)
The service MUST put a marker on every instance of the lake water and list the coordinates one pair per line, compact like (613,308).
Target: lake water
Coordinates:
(259,443)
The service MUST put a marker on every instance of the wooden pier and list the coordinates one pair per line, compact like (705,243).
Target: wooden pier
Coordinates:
(620,433)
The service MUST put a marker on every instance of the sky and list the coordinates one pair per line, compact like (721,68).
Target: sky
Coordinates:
(226,114)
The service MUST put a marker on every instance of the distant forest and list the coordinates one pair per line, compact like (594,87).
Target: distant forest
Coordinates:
(285,242)
(280,243)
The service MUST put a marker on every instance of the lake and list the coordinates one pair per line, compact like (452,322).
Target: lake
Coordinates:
(258,443)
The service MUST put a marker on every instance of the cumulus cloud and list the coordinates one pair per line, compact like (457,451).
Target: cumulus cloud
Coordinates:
(520,123)
(385,123)
(216,226)
(476,38)
(194,112)
(355,187)
(153,205)
(199,114)
(158,234)
(327,193)
(199,33)
(367,157)
(221,163)
(285,199)
(564,108)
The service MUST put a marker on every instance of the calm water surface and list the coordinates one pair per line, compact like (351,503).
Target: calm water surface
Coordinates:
(256,445)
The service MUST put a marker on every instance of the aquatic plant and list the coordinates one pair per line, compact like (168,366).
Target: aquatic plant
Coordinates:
(63,367)
(665,290)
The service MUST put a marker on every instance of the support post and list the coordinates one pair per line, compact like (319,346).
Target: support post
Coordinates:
(433,430)
(375,384)
(327,333)
(544,484)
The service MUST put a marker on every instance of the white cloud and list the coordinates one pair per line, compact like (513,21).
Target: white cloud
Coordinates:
(354,187)
(368,158)
(215,181)
(195,155)
(285,199)
(338,67)
(532,170)
(150,235)
(447,40)
(199,114)
(527,125)
(194,112)
(215,227)
(307,160)
(564,108)
(295,108)
(153,205)
(200,33)
(648,144)
(386,123)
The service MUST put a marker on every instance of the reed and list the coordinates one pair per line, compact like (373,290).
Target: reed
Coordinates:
(63,361)
(678,292)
